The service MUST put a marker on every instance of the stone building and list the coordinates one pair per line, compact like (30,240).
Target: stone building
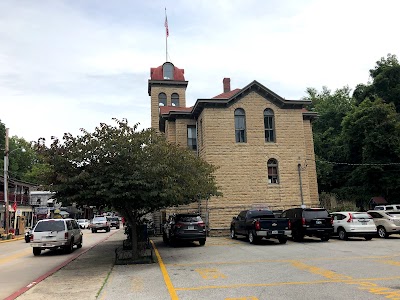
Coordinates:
(261,142)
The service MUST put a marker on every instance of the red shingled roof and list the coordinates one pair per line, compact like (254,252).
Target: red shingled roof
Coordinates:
(157,74)
(227,95)
(167,109)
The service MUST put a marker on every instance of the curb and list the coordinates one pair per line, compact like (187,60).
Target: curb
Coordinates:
(52,271)
(12,240)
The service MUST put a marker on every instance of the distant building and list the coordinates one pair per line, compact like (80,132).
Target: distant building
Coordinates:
(261,143)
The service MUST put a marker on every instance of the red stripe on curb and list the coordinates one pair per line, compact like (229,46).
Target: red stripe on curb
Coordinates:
(52,271)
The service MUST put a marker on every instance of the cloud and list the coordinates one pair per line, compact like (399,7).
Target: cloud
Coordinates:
(67,65)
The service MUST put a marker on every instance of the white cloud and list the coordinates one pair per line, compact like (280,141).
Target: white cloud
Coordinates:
(66,65)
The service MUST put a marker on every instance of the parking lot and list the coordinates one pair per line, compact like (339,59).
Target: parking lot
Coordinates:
(234,269)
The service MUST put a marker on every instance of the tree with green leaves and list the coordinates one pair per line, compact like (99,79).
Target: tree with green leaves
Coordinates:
(371,139)
(135,172)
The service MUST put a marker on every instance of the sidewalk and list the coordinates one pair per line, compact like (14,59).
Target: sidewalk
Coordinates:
(94,276)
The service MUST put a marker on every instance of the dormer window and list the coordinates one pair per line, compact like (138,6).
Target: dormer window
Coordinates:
(168,71)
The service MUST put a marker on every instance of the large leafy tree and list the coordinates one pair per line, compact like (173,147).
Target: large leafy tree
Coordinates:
(136,172)
(332,107)
(371,138)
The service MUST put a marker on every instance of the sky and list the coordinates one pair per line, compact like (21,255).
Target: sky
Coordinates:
(66,65)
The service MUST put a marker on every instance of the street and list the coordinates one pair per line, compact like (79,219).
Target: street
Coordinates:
(18,266)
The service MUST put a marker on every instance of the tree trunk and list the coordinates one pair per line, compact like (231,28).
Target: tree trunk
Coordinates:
(135,252)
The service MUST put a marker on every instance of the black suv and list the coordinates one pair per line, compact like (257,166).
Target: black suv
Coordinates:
(310,222)
(113,221)
(187,227)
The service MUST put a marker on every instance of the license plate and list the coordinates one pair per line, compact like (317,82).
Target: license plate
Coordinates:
(318,222)
(190,227)
(274,231)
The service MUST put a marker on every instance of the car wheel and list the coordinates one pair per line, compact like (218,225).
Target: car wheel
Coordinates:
(233,233)
(252,238)
(27,239)
(117,227)
(92,230)
(342,234)
(164,238)
(68,248)
(36,251)
(297,237)
(202,242)
(282,240)
(325,238)
(80,243)
(382,232)
(368,238)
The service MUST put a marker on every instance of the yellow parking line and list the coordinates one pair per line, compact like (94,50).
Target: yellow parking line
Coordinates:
(245,285)
(168,282)
(280,260)
(14,256)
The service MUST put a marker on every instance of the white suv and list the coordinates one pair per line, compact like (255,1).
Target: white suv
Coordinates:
(54,234)
(388,207)
(350,223)
(387,222)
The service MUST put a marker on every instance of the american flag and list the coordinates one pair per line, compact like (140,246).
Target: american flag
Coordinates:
(166,25)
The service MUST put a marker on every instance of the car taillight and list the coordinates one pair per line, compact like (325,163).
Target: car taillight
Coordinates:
(178,225)
(31,238)
(303,221)
(350,220)
(290,225)
(66,235)
(331,220)
(257,225)
(201,224)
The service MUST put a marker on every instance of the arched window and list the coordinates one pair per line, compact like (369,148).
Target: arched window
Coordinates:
(162,99)
(240,125)
(269,125)
(175,99)
(273,171)
(168,71)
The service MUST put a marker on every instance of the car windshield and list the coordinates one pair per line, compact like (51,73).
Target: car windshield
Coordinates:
(81,221)
(361,216)
(186,218)
(379,208)
(99,219)
(260,214)
(50,226)
(315,213)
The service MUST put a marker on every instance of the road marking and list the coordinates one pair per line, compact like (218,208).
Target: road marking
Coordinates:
(137,284)
(280,260)
(390,262)
(168,282)
(361,282)
(372,288)
(210,273)
(15,256)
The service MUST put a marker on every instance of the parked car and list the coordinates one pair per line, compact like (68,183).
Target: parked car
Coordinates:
(55,234)
(256,224)
(349,223)
(387,222)
(113,221)
(309,221)
(184,227)
(100,223)
(83,223)
(388,207)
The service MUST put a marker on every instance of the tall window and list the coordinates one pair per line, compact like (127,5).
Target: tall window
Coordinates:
(175,99)
(162,99)
(191,137)
(269,125)
(240,125)
(168,71)
(273,171)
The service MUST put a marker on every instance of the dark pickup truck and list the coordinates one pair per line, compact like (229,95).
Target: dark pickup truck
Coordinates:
(260,223)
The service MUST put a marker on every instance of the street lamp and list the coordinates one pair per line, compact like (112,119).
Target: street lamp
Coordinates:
(6,154)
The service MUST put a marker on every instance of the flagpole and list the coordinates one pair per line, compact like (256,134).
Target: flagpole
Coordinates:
(166,36)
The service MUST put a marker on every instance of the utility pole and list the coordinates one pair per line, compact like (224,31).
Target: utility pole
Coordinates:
(6,183)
